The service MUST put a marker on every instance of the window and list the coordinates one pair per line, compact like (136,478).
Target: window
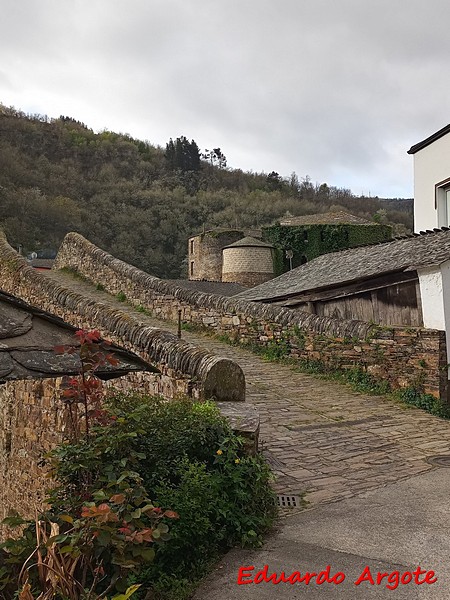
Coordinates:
(443,203)
(192,267)
(192,246)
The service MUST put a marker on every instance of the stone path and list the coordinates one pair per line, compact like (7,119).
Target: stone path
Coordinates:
(321,438)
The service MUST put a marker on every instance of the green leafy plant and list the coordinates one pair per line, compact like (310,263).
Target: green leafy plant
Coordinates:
(100,526)
(196,465)
(102,533)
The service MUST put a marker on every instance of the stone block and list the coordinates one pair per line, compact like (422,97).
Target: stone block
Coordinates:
(244,420)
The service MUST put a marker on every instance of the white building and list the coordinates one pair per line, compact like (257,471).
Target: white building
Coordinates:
(432,181)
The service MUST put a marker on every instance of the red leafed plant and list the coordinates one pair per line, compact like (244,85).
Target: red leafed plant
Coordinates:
(86,389)
(100,526)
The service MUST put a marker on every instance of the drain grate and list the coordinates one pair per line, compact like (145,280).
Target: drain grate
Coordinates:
(288,501)
(442,460)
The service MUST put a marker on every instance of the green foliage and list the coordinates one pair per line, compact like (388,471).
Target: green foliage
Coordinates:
(309,241)
(182,155)
(121,297)
(186,455)
(58,176)
(197,466)
(278,261)
(428,402)
(276,350)
(101,526)
(143,310)
(298,337)
(362,381)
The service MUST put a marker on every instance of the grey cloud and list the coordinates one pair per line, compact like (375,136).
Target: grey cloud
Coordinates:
(338,90)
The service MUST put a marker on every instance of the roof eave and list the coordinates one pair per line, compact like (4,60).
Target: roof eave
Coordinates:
(429,140)
(330,287)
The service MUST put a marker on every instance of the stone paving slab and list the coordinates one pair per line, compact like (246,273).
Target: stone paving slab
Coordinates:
(323,439)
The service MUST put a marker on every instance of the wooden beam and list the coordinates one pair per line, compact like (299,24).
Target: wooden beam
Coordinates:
(419,304)
(352,289)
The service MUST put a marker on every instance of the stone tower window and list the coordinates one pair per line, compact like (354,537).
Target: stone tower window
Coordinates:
(192,246)
(192,267)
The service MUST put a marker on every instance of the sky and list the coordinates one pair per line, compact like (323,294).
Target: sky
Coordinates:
(338,90)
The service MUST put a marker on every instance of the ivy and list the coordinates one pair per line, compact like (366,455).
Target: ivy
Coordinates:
(310,241)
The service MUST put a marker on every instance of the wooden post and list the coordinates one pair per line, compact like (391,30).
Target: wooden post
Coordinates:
(179,323)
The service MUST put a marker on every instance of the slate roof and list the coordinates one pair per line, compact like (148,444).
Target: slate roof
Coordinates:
(221,288)
(330,218)
(357,264)
(250,242)
(27,340)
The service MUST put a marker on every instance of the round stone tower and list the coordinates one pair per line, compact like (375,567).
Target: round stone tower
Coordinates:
(248,261)
(205,253)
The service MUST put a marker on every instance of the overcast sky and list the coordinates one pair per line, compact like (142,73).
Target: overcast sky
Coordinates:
(334,89)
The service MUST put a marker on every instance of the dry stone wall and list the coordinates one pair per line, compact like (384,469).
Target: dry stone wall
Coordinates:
(28,429)
(205,253)
(406,357)
(32,418)
(184,368)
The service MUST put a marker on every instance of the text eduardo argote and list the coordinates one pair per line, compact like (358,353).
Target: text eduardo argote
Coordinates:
(391,580)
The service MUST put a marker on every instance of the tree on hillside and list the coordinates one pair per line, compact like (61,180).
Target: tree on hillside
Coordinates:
(215,157)
(274,181)
(182,155)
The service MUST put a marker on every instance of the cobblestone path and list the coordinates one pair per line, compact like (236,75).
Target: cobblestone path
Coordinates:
(321,438)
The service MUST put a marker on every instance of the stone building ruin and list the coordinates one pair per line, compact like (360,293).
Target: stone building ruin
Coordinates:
(231,256)
(248,261)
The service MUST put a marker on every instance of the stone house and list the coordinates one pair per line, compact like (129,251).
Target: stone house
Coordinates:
(403,282)
(230,256)
(205,253)
(432,181)
(309,236)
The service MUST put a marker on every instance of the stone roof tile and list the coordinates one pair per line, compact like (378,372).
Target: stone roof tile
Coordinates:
(330,218)
(356,264)
(29,335)
(250,242)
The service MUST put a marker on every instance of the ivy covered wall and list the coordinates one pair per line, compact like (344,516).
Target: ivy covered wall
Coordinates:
(309,241)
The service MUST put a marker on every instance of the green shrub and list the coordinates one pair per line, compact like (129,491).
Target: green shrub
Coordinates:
(196,465)
(427,402)
(181,454)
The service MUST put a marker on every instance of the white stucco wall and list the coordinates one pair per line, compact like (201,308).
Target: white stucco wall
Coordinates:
(431,293)
(445,271)
(431,166)
(435,295)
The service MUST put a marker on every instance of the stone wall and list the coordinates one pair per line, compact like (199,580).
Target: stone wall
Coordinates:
(403,356)
(205,253)
(32,421)
(28,429)
(184,368)
(248,265)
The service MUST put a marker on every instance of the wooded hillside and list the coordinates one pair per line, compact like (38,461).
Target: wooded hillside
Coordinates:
(142,202)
